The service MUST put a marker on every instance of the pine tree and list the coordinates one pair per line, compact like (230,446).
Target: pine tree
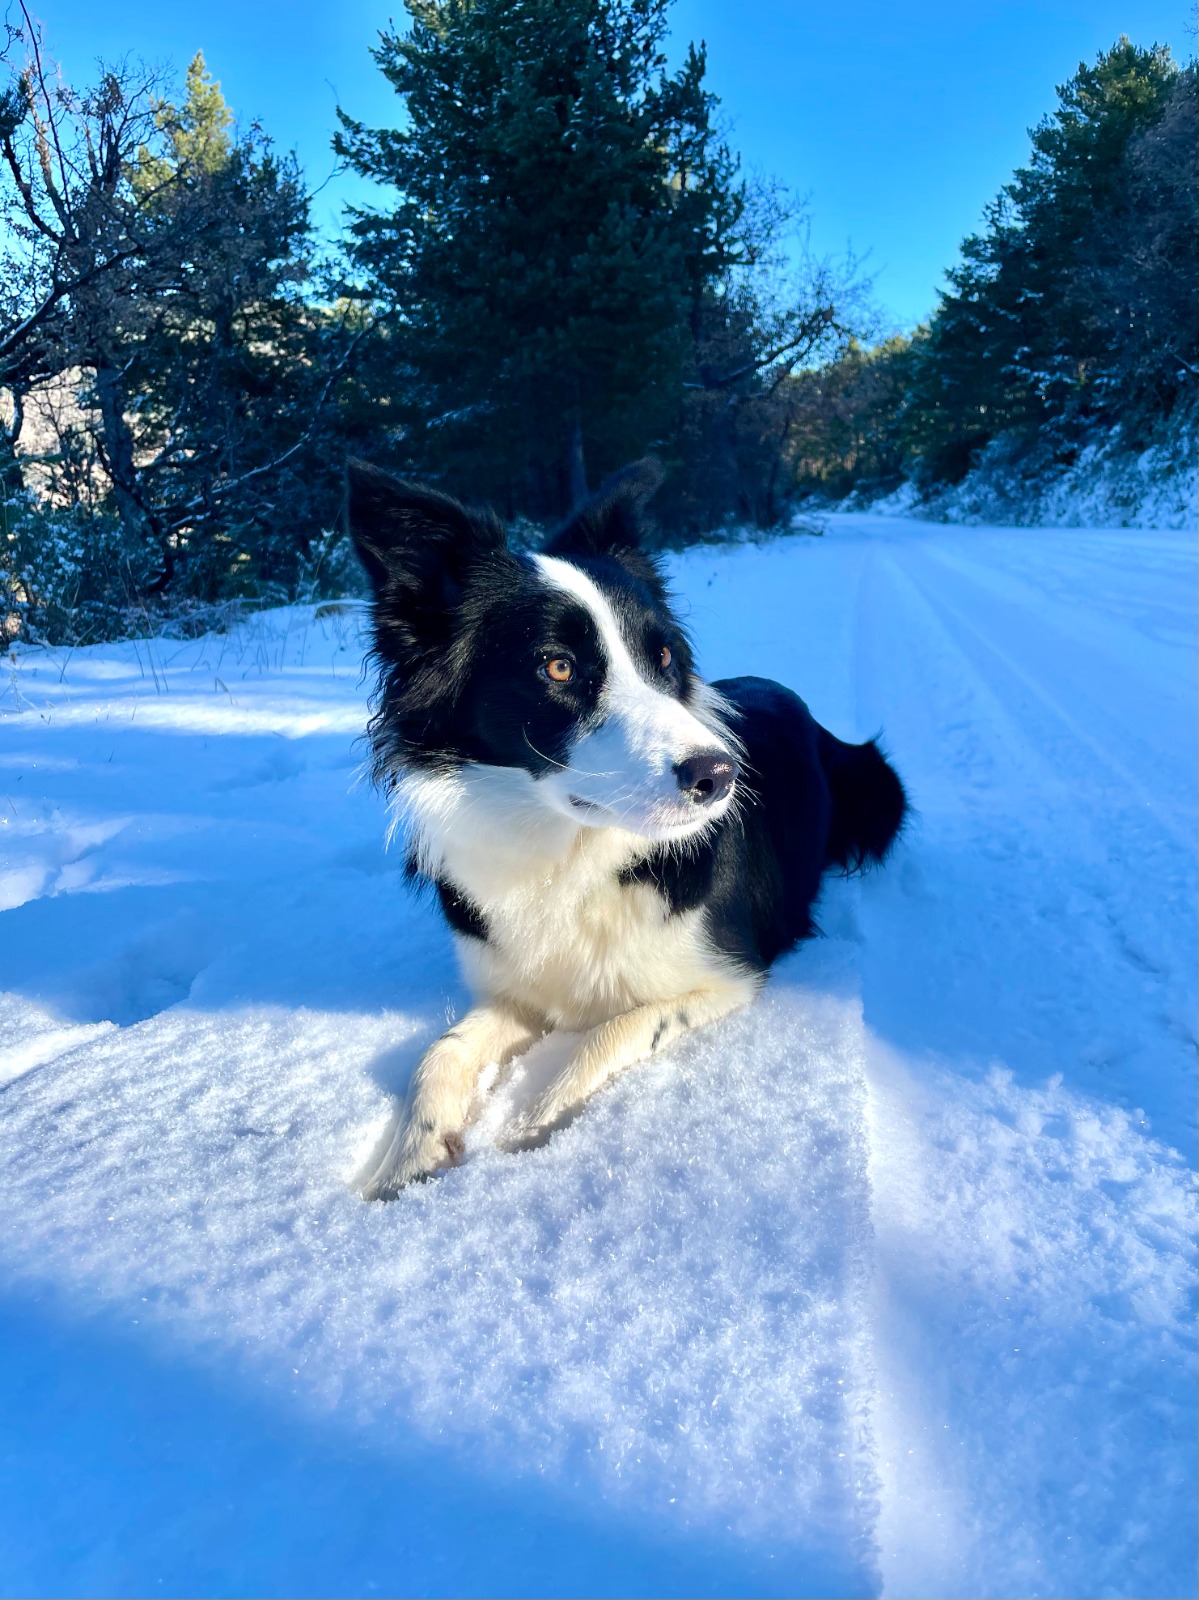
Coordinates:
(564,205)
(1028,338)
(199,132)
(1137,292)
(227,356)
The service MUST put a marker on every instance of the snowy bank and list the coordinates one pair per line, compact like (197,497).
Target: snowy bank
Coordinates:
(1108,485)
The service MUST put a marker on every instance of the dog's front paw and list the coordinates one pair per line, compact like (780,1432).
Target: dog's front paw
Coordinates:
(416,1152)
(535,1126)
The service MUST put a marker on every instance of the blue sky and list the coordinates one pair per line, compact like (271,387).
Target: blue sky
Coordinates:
(897,121)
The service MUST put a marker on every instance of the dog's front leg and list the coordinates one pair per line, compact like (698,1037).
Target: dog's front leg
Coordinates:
(429,1132)
(612,1046)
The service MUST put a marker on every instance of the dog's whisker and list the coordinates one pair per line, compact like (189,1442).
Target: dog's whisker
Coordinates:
(561,764)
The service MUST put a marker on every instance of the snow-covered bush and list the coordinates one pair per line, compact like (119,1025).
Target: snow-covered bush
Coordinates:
(67,576)
(1107,484)
(71,577)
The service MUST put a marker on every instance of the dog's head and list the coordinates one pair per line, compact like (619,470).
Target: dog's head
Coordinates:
(565,668)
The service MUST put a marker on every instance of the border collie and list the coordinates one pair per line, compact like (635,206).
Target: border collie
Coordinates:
(620,849)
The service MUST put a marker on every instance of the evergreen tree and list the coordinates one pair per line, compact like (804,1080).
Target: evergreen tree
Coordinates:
(160,266)
(565,206)
(229,356)
(1139,291)
(1044,300)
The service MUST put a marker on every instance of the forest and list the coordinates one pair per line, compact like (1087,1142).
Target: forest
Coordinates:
(567,267)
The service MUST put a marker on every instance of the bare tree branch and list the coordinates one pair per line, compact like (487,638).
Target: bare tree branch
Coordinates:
(184,515)
(17,335)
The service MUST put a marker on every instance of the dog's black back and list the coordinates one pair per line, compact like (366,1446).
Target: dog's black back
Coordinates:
(808,803)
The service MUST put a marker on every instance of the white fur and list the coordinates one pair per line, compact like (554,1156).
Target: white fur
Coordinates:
(569,945)
(566,939)
(623,767)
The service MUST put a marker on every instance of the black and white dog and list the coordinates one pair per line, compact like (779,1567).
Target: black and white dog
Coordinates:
(620,848)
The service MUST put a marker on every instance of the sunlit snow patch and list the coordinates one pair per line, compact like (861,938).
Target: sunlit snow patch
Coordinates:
(663,1305)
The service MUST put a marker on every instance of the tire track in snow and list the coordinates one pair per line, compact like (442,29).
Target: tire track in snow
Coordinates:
(1034,1249)
(1137,859)
(1043,705)
(1028,786)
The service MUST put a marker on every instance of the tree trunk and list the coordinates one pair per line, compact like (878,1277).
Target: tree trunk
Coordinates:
(12,479)
(117,442)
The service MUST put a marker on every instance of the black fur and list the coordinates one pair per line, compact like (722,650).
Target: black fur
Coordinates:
(460,912)
(802,810)
(458,617)
(459,622)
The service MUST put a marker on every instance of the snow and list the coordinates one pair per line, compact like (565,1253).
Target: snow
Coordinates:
(883,1286)
(1108,484)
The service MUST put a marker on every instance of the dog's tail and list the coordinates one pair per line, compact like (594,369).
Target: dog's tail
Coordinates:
(869,803)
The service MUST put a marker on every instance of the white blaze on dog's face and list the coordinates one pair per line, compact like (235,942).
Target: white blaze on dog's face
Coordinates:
(524,697)
(642,760)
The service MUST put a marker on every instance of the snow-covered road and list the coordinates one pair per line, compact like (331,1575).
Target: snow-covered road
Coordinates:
(883,1286)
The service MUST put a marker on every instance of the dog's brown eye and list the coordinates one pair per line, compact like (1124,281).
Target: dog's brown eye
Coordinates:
(665,658)
(559,669)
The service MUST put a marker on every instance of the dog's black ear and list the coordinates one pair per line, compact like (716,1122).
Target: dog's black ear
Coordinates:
(407,534)
(612,522)
(419,547)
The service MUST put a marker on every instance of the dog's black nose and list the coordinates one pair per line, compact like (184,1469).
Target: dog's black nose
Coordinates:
(707,776)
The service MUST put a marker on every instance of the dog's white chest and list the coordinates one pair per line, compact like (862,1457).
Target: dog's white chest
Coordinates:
(577,946)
